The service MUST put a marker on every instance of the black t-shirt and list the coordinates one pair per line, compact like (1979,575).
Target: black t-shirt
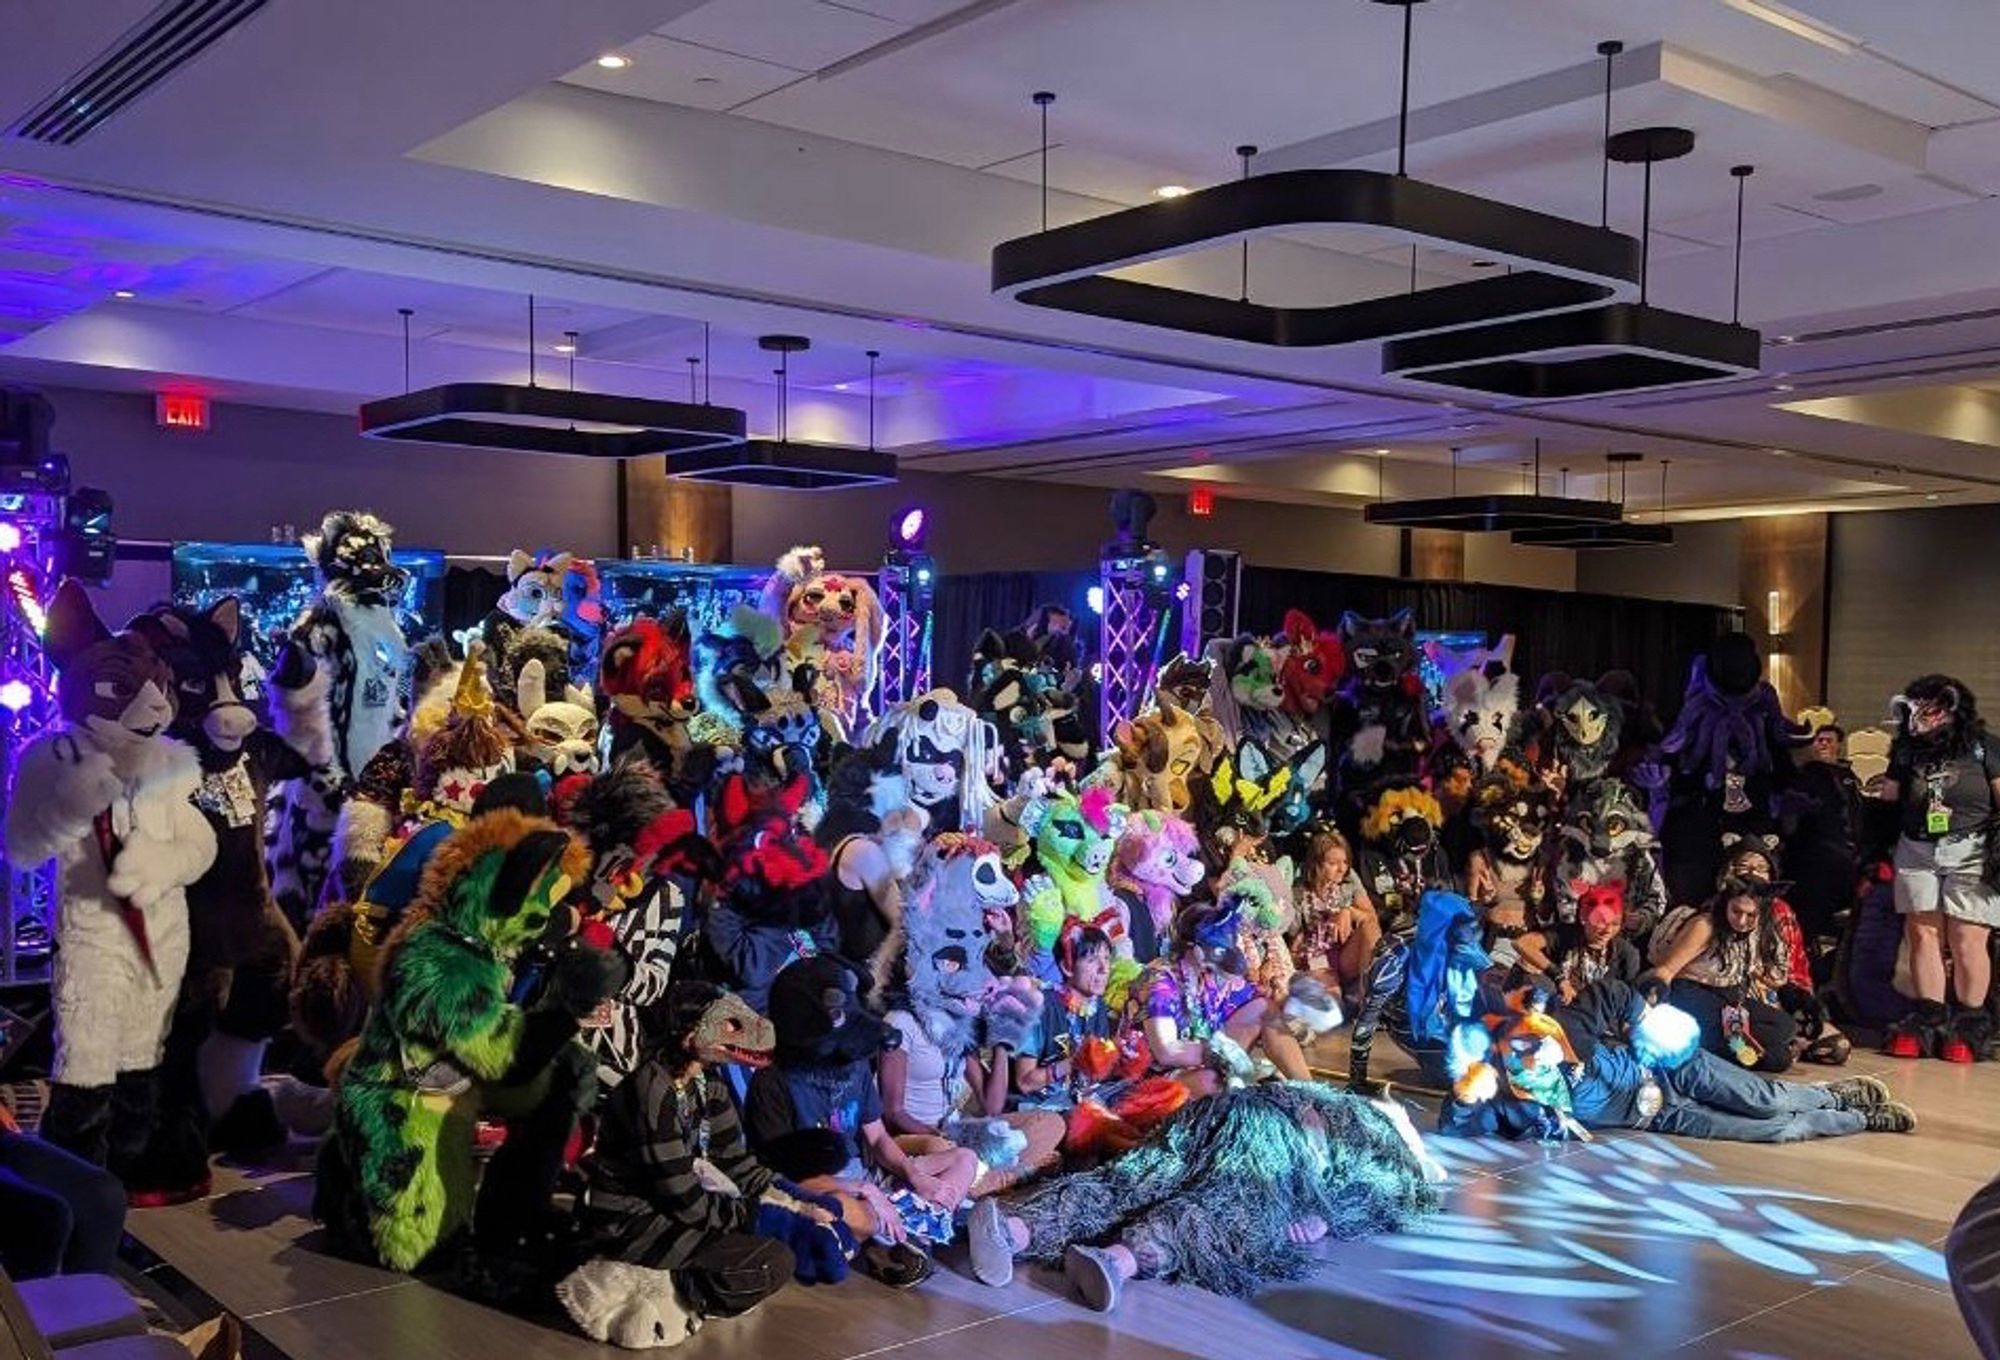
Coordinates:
(784,1100)
(1961,785)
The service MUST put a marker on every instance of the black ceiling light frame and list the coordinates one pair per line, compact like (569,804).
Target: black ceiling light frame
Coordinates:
(1625,533)
(512,418)
(1610,351)
(1558,265)
(1493,513)
(780,462)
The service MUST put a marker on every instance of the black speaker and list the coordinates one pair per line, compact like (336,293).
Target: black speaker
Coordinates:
(1215,579)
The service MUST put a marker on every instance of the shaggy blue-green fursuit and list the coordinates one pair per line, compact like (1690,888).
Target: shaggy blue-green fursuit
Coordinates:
(1207,1199)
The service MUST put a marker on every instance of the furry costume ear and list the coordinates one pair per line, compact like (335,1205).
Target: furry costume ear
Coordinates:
(531,687)
(1502,654)
(1309,764)
(518,561)
(1156,750)
(1404,622)
(1253,762)
(227,615)
(794,794)
(733,808)
(1350,624)
(73,626)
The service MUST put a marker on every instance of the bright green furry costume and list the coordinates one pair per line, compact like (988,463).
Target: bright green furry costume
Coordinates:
(442,1044)
(1074,840)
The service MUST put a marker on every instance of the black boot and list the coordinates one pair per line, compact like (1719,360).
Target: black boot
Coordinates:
(178,1175)
(78,1120)
(1970,1038)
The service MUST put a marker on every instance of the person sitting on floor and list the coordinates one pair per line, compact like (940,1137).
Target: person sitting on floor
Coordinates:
(822,1082)
(1422,988)
(1817,1041)
(1184,1208)
(1724,964)
(1203,1016)
(684,1223)
(1594,946)
(1337,929)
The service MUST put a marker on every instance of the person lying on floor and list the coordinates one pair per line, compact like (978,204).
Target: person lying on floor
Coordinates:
(1639,1066)
(683,1224)
(815,1115)
(1184,1207)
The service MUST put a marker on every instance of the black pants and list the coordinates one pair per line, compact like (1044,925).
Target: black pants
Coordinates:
(58,1213)
(734,1273)
(1771,1027)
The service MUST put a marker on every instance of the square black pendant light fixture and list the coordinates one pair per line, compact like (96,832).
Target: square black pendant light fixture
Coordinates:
(518,419)
(1608,351)
(1558,265)
(1624,533)
(1527,511)
(530,418)
(780,462)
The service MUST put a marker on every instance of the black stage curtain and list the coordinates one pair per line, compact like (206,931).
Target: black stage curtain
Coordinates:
(965,606)
(469,596)
(1585,635)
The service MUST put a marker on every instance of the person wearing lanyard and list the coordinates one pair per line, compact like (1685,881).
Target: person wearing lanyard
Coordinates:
(1944,774)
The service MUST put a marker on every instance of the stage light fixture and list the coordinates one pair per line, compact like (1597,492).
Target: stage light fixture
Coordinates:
(910,527)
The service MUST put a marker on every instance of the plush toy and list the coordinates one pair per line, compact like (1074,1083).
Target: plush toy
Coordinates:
(1606,838)
(1155,868)
(442,1046)
(834,623)
(351,630)
(1382,721)
(1074,838)
(111,796)
(1402,856)
(233,999)
(772,905)
(951,758)
(646,680)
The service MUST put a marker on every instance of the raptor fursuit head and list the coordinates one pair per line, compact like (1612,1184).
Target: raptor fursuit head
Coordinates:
(647,681)
(834,623)
(1383,723)
(1587,729)
(1074,839)
(950,758)
(954,903)
(1607,838)
(351,631)
(444,1045)
(234,999)
(1156,758)
(1313,666)
(111,795)
(1155,868)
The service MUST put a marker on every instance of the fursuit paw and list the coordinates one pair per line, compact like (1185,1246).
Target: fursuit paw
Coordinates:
(86,784)
(581,979)
(818,1253)
(635,1307)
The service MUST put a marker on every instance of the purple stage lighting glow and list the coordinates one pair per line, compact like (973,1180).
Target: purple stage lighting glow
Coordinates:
(10,536)
(910,527)
(16,695)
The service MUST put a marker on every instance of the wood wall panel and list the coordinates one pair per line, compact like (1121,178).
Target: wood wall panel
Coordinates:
(674,516)
(1788,554)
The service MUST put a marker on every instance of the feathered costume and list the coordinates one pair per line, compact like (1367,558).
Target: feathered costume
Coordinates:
(1207,1199)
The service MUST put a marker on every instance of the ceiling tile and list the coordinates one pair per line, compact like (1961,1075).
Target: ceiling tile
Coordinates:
(802,34)
(669,72)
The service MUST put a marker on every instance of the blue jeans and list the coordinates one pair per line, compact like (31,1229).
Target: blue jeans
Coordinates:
(58,1213)
(1710,1097)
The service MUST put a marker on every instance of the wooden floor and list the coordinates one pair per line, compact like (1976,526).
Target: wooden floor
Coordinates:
(1634,1245)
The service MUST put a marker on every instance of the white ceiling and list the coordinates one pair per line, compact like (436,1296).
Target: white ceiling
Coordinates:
(842,170)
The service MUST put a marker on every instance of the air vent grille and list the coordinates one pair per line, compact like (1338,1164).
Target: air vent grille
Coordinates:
(155,48)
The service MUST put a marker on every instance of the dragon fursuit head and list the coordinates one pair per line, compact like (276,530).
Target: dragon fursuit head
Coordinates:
(1158,862)
(834,622)
(1587,729)
(699,1024)
(1156,758)
(1314,663)
(443,1042)
(955,902)
(1074,838)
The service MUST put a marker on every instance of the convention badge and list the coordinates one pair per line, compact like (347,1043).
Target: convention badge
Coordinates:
(230,795)
(600,1018)
(1734,800)
(1650,1099)
(1937,819)
(375,692)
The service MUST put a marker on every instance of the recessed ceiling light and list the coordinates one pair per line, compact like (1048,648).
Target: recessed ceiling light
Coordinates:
(1172,191)
(1486,264)
(124,295)
(614,61)
(1784,339)
(1782,387)
(565,347)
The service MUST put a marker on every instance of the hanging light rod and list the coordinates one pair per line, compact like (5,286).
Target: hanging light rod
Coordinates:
(1558,265)
(781,462)
(1524,510)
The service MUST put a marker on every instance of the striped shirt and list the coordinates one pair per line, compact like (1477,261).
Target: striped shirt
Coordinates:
(643,1202)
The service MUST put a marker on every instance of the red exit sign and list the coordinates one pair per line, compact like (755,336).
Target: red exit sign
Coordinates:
(1201,502)
(181,411)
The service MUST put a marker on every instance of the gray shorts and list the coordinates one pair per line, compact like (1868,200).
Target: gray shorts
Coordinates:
(1933,876)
